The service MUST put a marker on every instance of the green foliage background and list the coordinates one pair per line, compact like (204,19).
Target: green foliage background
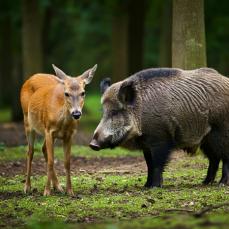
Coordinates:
(78,34)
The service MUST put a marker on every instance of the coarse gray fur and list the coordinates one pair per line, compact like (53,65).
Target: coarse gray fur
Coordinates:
(159,110)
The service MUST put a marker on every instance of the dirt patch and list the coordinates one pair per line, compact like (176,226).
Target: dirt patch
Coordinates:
(79,165)
(88,165)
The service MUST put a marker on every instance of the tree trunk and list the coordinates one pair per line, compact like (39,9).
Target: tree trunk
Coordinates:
(5,59)
(188,35)
(31,38)
(165,58)
(119,44)
(17,79)
(135,35)
(10,54)
(127,38)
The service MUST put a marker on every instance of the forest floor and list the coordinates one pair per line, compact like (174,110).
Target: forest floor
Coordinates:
(109,192)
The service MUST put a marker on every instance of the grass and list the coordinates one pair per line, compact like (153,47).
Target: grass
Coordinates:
(112,200)
(91,113)
(19,152)
(5,115)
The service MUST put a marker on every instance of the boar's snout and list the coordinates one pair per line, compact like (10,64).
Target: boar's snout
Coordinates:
(99,141)
(94,145)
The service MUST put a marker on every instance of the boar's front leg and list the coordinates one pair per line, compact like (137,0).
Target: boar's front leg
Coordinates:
(225,173)
(155,161)
(149,163)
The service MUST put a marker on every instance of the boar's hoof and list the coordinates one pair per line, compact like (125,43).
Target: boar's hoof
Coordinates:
(208,181)
(224,181)
(152,185)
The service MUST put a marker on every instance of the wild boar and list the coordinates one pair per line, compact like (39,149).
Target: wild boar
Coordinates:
(159,110)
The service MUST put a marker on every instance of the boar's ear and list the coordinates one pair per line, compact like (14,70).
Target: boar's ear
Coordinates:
(88,75)
(104,84)
(127,93)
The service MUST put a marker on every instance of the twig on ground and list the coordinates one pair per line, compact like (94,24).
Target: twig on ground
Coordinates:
(210,208)
(199,213)
(179,210)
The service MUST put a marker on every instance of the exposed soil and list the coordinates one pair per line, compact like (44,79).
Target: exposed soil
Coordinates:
(12,134)
(79,165)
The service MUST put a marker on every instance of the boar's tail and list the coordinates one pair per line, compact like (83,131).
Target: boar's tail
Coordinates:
(191,150)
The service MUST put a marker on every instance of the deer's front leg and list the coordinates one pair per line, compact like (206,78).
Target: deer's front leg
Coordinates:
(67,142)
(55,181)
(51,175)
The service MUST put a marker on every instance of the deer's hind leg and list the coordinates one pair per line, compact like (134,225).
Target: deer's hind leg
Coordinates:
(30,134)
(44,151)
(55,181)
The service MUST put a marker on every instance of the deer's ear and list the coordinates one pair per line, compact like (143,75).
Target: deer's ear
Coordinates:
(88,75)
(59,73)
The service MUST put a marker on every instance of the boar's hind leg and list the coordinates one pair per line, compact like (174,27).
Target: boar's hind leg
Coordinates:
(155,161)
(225,173)
(212,169)
(209,148)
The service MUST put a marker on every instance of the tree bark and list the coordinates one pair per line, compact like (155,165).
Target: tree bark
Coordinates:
(31,38)
(188,35)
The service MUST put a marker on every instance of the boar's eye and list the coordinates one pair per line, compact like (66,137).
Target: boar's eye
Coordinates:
(114,112)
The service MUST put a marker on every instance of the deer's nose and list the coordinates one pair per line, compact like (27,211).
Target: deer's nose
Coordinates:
(76,114)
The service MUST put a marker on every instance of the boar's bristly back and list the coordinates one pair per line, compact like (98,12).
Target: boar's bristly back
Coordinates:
(157,72)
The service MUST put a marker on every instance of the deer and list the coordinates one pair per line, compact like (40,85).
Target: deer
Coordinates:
(52,107)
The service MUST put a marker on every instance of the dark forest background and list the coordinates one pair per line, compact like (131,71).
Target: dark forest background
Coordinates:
(121,36)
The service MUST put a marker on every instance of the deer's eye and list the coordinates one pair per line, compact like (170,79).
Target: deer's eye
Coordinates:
(66,94)
(82,94)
